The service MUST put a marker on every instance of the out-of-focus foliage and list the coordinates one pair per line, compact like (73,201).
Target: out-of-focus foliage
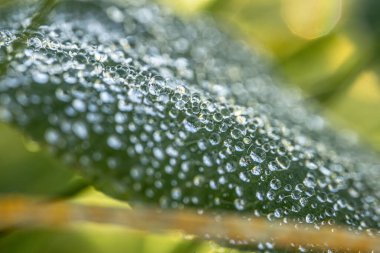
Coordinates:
(94,238)
(25,168)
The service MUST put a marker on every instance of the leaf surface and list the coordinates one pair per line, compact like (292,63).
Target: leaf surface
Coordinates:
(160,111)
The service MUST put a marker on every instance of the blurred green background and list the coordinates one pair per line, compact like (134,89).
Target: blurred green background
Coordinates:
(327,48)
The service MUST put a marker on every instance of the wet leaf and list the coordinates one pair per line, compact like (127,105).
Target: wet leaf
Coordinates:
(154,110)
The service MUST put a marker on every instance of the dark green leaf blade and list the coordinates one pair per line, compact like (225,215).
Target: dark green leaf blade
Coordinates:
(155,110)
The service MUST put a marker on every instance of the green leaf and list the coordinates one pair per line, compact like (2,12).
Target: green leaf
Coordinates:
(25,168)
(154,110)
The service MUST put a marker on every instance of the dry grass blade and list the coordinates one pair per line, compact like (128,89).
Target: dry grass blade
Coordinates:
(17,211)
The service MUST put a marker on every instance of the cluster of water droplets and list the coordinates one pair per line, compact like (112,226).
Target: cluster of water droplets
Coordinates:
(155,110)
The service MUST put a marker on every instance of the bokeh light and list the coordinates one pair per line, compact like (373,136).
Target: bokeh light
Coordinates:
(313,18)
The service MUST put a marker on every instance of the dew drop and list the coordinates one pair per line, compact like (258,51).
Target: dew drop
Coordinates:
(239,204)
(275,184)
(256,170)
(309,218)
(114,142)
(258,155)
(214,139)
(80,130)
(40,77)
(79,105)
(283,162)
(52,136)
(176,193)
(191,124)
(34,42)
